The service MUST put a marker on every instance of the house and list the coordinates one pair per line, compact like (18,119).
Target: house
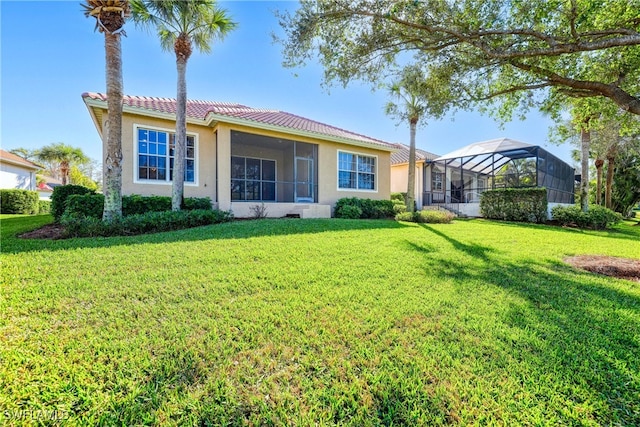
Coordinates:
(46,186)
(400,171)
(456,180)
(241,157)
(17,172)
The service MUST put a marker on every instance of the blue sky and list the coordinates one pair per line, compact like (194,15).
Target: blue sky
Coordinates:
(51,55)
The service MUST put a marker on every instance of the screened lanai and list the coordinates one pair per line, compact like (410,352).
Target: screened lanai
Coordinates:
(462,175)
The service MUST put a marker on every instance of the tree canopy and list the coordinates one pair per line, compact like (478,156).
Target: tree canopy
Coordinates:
(531,53)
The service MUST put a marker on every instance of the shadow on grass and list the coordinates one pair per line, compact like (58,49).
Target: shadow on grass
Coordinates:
(577,327)
(473,250)
(231,230)
(620,231)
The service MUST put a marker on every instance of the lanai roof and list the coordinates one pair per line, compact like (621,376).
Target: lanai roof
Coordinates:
(209,112)
(499,145)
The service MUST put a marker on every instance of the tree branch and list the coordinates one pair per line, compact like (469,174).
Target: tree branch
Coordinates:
(623,99)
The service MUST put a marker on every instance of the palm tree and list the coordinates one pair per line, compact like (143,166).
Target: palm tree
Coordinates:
(63,156)
(110,17)
(181,26)
(418,99)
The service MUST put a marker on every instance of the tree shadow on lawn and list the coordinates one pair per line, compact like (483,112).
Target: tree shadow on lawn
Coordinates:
(230,230)
(578,327)
(621,231)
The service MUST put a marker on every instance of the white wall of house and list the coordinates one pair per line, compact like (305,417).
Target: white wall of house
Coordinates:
(13,176)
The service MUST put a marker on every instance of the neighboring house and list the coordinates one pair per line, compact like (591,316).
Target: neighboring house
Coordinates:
(46,186)
(400,171)
(456,180)
(17,172)
(242,157)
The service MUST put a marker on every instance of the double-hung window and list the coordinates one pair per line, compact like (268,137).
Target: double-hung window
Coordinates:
(437,181)
(253,179)
(356,171)
(156,156)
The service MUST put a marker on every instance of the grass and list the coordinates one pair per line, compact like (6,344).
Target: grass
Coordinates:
(319,322)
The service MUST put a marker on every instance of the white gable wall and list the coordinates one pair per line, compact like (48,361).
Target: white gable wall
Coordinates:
(12,176)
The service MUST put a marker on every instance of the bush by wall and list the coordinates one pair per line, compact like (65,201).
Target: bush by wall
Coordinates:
(398,197)
(92,205)
(370,209)
(14,201)
(60,196)
(596,218)
(350,212)
(515,204)
(150,222)
(426,216)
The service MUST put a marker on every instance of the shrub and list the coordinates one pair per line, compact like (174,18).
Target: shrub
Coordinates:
(596,218)
(136,204)
(88,205)
(371,209)
(405,216)
(44,206)
(192,203)
(350,212)
(434,217)
(399,197)
(150,222)
(60,195)
(399,208)
(92,205)
(426,217)
(515,204)
(14,201)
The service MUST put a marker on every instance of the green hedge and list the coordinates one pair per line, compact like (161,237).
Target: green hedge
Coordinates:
(515,204)
(60,196)
(14,201)
(596,218)
(426,216)
(44,206)
(92,205)
(369,209)
(150,222)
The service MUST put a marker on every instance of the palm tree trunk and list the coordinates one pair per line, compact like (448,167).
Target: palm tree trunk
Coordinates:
(411,181)
(64,171)
(113,133)
(611,160)
(599,164)
(585,136)
(177,194)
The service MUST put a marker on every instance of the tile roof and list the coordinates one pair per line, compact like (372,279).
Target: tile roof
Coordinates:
(402,156)
(17,160)
(203,109)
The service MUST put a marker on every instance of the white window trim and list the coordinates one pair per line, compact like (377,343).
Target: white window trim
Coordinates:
(261,180)
(359,190)
(196,147)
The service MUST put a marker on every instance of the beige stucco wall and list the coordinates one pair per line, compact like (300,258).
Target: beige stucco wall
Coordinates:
(205,159)
(216,141)
(400,177)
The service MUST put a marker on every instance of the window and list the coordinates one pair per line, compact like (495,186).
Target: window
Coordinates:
(356,171)
(156,156)
(437,179)
(253,179)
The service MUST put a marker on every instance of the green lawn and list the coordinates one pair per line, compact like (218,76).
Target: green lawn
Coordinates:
(319,322)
